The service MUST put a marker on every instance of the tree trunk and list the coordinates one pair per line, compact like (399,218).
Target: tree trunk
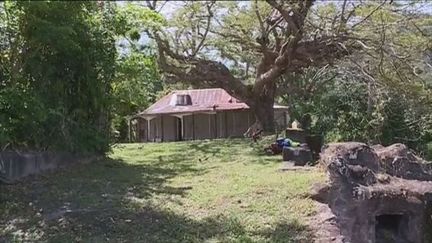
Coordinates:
(261,105)
(264,114)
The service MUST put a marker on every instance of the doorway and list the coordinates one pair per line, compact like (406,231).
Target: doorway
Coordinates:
(391,228)
(179,129)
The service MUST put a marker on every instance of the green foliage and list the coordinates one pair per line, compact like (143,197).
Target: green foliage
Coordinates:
(379,94)
(63,87)
(338,107)
(135,87)
(60,59)
(428,152)
(131,20)
(62,84)
(137,81)
(20,112)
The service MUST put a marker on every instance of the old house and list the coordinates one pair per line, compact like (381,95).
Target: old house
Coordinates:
(197,114)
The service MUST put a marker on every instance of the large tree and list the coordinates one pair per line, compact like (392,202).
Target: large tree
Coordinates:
(245,47)
(380,94)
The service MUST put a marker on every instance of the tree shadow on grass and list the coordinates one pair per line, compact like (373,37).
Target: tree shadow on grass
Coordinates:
(205,147)
(104,200)
(145,180)
(216,146)
(230,147)
(99,187)
(151,224)
(288,232)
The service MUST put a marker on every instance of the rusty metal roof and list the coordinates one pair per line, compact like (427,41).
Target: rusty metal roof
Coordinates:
(203,100)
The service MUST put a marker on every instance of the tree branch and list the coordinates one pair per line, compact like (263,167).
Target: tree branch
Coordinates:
(295,19)
(196,71)
(369,15)
(204,36)
(263,31)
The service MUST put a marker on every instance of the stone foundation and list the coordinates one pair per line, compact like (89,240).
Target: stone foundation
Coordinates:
(300,156)
(372,200)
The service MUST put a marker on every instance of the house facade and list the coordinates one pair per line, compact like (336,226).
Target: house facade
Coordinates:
(197,114)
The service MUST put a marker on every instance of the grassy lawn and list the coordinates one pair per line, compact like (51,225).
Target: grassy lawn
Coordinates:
(203,191)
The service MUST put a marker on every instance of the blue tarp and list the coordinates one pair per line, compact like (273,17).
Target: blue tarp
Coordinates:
(285,142)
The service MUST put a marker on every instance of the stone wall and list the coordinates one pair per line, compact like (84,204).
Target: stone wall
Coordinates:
(376,194)
(16,165)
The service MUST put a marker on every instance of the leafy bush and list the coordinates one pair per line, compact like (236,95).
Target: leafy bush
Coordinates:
(57,69)
(340,110)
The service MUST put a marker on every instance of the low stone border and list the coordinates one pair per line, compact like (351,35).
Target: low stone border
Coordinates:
(18,165)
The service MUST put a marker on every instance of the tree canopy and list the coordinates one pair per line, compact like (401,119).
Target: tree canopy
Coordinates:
(246,47)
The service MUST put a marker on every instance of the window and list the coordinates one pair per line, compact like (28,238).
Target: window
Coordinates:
(182,100)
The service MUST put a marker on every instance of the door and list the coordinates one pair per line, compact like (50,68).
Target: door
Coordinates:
(179,129)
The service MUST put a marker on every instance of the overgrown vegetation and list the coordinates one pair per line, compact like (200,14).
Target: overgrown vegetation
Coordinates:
(71,74)
(336,105)
(57,63)
(135,87)
(382,93)
(219,191)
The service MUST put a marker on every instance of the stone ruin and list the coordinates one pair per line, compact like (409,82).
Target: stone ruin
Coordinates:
(374,195)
